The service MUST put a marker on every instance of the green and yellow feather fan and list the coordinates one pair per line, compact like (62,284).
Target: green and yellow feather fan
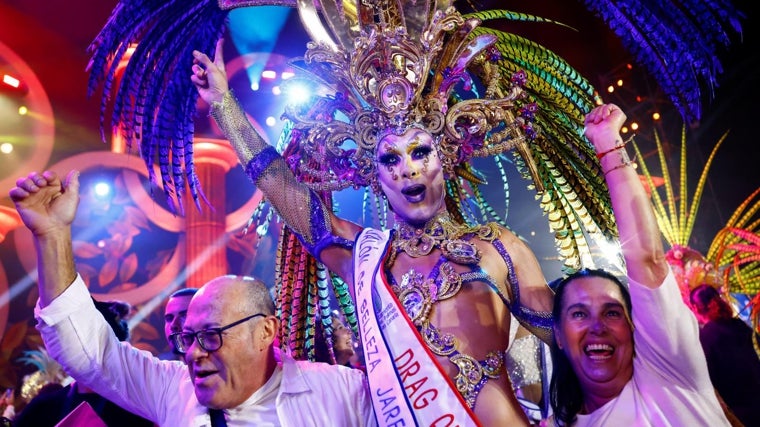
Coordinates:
(732,262)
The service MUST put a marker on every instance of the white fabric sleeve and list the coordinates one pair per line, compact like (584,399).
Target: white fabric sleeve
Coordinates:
(78,337)
(666,334)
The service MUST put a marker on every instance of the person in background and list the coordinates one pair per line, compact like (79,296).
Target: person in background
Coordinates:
(49,408)
(7,404)
(342,344)
(733,364)
(628,356)
(175,314)
(233,373)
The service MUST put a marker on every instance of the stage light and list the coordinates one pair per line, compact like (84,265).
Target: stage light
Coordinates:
(611,252)
(276,90)
(22,110)
(297,92)
(287,75)
(634,126)
(268,74)
(271,121)
(12,85)
(254,86)
(6,148)
(102,190)
(610,88)
(620,82)
(656,116)
(11,81)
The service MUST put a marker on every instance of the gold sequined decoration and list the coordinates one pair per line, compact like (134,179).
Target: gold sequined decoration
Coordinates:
(446,235)
(418,295)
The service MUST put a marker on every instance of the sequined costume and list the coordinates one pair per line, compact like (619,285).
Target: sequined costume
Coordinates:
(418,296)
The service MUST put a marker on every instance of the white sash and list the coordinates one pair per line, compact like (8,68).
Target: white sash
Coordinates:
(407,385)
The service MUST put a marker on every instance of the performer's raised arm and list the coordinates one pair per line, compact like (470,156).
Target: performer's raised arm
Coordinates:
(303,211)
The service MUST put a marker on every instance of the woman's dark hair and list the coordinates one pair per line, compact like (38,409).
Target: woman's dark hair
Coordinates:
(701,296)
(115,313)
(322,348)
(565,389)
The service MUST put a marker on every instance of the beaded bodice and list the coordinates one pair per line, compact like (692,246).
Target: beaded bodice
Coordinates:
(419,294)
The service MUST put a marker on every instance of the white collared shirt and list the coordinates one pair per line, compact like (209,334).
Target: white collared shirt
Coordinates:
(309,394)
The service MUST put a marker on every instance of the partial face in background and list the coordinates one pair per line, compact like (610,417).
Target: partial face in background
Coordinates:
(343,342)
(226,377)
(411,175)
(174,316)
(596,334)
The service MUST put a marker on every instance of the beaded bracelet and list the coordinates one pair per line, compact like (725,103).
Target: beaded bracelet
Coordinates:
(627,162)
(616,147)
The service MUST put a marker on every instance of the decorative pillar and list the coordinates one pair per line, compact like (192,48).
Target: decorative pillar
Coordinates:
(206,237)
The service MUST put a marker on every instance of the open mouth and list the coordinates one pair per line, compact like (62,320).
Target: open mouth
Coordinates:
(599,351)
(202,375)
(414,193)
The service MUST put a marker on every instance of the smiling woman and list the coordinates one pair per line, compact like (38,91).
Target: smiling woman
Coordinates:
(593,340)
(620,358)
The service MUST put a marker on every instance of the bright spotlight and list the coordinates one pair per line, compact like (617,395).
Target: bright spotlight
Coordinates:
(6,148)
(22,110)
(102,190)
(611,252)
(297,92)
(11,81)
(271,121)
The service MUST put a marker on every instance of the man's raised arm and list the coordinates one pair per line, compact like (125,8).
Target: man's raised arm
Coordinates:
(47,206)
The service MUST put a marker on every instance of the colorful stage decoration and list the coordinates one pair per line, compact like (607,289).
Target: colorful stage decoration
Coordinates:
(732,261)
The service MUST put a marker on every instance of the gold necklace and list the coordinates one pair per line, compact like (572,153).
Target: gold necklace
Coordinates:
(442,233)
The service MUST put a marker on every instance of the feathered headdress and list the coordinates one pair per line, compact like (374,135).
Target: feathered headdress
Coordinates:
(48,372)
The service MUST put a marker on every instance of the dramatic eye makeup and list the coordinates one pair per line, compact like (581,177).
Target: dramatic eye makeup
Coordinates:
(389,158)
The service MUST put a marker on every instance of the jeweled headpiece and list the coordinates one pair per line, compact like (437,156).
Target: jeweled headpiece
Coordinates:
(384,80)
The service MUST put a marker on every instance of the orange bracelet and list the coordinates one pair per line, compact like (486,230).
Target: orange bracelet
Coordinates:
(615,148)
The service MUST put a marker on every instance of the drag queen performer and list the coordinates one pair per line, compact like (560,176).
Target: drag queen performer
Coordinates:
(433,295)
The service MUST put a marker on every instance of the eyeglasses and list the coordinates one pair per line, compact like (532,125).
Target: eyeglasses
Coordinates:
(209,339)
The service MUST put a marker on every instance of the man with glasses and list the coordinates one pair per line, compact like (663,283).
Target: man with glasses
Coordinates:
(234,374)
